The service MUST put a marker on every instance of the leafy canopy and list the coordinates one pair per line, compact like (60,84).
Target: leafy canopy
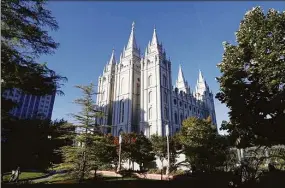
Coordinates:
(202,144)
(253,79)
(24,37)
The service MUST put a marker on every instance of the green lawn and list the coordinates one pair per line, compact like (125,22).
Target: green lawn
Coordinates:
(65,179)
(25,175)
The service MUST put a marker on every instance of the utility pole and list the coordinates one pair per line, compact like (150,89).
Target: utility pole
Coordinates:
(120,148)
(168,157)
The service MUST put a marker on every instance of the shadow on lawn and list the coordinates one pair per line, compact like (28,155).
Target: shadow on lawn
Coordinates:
(275,180)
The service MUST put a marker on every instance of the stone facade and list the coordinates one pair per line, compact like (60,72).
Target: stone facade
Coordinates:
(136,93)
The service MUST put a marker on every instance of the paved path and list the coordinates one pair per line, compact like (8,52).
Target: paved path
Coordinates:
(38,180)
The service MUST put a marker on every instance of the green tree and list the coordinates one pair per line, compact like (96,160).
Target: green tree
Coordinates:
(86,154)
(142,151)
(203,146)
(103,152)
(253,79)
(128,145)
(159,144)
(24,37)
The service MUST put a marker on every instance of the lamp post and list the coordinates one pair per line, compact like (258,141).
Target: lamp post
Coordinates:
(167,140)
(120,148)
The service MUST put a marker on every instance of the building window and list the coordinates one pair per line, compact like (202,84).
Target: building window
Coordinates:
(177,129)
(185,106)
(149,80)
(190,108)
(164,80)
(149,112)
(176,118)
(174,101)
(165,97)
(122,111)
(122,85)
(165,113)
(150,96)
(181,118)
(180,103)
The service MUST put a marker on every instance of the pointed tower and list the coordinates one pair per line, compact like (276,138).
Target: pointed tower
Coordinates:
(202,88)
(206,97)
(181,84)
(106,92)
(132,48)
(127,88)
(155,90)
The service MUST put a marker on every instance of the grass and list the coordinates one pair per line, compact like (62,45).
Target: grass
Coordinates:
(25,175)
(65,179)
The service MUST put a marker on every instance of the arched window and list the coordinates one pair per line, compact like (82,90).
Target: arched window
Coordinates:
(149,80)
(149,113)
(122,111)
(176,118)
(166,113)
(149,96)
(122,86)
(181,118)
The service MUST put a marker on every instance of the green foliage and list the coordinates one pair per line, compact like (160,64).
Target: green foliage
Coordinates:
(137,148)
(142,151)
(253,80)
(24,38)
(159,145)
(202,145)
(91,149)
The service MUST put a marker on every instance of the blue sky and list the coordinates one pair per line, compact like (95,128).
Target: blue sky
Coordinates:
(191,32)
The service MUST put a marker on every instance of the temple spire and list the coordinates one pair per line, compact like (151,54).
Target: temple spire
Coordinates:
(180,74)
(181,84)
(132,40)
(201,86)
(154,40)
(200,78)
(112,59)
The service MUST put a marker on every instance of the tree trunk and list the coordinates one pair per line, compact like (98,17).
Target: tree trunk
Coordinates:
(95,173)
(81,177)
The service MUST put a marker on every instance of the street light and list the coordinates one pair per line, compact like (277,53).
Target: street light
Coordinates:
(167,140)
(120,148)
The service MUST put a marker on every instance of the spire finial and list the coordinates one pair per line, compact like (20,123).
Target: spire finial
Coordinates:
(154,40)
(132,41)
(133,25)
(112,59)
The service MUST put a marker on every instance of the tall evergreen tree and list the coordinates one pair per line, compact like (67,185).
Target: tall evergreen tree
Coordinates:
(253,79)
(91,148)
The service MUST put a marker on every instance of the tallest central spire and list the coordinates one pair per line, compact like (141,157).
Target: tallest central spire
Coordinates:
(132,40)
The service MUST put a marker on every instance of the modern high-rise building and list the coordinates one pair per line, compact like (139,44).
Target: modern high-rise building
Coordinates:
(30,106)
(136,93)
